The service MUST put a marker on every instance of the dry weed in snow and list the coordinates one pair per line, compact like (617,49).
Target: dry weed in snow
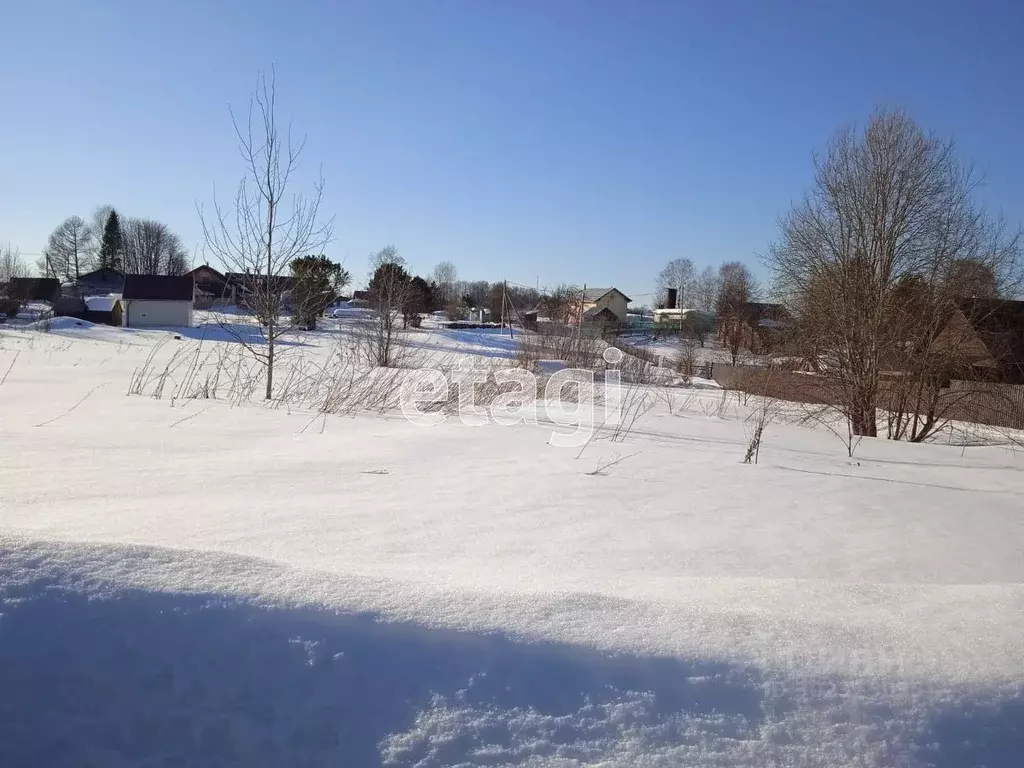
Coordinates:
(490,600)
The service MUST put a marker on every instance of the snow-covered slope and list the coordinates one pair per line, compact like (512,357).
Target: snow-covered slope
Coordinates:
(208,584)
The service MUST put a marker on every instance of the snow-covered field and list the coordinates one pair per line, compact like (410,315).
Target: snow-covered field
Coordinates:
(214,582)
(668,346)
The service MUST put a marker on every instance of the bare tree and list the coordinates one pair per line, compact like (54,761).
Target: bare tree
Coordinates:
(562,304)
(97,223)
(474,293)
(150,248)
(875,259)
(679,275)
(390,291)
(706,286)
(938,331)
(66,252)
(268,226)
(11,263)
(445,276)
(735,287)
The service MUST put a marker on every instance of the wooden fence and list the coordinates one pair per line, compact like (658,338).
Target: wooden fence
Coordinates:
(978,402)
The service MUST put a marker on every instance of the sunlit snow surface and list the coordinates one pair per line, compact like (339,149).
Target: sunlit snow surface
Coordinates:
(221,584)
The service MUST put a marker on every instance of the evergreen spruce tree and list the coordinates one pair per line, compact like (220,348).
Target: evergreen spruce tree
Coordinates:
(112,245)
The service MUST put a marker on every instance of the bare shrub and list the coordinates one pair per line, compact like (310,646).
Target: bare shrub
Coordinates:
(603,465)
(563,304)
(754,445)
(560,343)
(140,376)
(379,343)
(9,307)
(380,339)
(687,361)
(635,403)
(637,371)
(763,414)
(12,265)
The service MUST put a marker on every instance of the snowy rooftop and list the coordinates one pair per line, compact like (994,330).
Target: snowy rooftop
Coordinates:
(101,303)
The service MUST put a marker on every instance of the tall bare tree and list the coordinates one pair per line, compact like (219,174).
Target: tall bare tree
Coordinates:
(150,248)
(97,223)
(268,226)
(705,297)
(446,276)
(874,260)
(474,292)
(680,276)
(67,250)
(735,290)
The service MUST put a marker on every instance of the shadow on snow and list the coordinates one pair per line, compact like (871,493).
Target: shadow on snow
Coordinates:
(233,333)
(158,678)
(203,680)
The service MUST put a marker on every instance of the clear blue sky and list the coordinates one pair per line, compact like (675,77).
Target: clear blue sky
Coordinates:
(566,140)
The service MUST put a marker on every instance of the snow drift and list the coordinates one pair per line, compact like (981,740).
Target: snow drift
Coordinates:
(204,584)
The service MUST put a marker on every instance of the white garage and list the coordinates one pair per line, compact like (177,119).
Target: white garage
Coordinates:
(155,301)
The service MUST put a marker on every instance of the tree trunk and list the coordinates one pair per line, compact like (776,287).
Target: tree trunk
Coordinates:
(863,420)
(270,363)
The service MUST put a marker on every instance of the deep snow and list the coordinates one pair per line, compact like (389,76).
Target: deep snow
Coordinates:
(211,584)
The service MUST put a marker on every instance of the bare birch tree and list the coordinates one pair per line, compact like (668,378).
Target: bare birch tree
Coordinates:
(67,249)
(706,290)
(873,262)
(268,226)
(445,276)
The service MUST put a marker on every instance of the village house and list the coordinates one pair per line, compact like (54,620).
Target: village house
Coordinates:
(241,285)
(156,301)
(211,287)
(605,305)
(990,332)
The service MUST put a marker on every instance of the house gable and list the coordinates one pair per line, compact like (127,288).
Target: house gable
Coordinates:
(612,299)
(594,295)
(206,273)
(997,329)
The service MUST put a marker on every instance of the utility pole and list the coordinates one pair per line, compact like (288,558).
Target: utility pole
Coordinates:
(583,300)
(504,290)
(513,310)
(505,301)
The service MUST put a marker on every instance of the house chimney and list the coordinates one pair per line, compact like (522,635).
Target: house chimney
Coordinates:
(670,301)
